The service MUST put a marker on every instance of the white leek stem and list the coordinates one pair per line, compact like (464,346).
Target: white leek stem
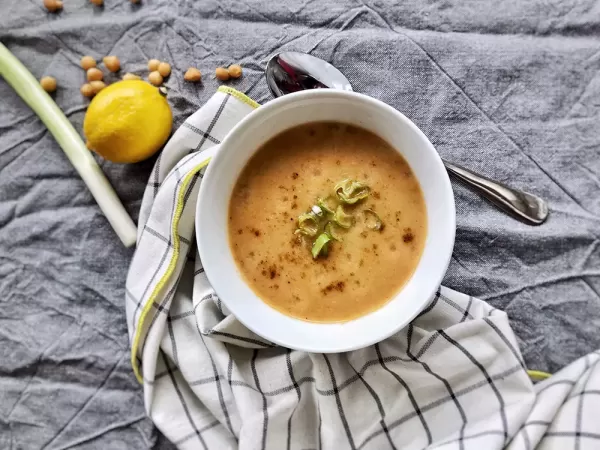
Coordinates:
(57,123)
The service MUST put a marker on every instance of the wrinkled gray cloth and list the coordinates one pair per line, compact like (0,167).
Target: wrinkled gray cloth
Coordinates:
(509,89)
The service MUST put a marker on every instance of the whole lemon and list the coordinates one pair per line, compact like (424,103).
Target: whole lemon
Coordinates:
(128,121)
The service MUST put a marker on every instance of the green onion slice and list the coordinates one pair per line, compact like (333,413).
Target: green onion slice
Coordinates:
(326,205)
(308,224)
(343,219)
(351,191)
(330,230)
(320,247)
(305,232)
(372,220)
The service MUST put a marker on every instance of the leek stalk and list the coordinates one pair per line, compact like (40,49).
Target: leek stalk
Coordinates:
(29,89)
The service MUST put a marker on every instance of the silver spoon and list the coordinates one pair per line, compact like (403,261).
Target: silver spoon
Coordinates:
(293,71)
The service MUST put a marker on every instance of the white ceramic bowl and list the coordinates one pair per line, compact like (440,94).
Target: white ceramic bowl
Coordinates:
(223,171)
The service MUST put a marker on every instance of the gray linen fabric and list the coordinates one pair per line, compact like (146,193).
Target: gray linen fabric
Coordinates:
(211,383)
(508,88)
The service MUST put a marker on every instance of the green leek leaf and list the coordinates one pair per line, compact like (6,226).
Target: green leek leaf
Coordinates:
(308,224)
(351,191)
(343,219)
(326,205)
(320,247)
(330,230)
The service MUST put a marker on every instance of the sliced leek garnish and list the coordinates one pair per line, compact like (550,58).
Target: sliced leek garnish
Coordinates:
(327,205)
(372,220)
(343,219)
(351,191)
(330,230)
(324,218)
(308,224)
(320,246)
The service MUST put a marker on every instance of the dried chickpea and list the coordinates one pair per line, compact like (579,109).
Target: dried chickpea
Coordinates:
(164,69)
(222,74)
(87,90)
(87,62)
(155,78)
(112,63)
(97,2)
(48,84)
(153,65)
(235,71)
(131,76)
(192,74)
(94,74)
(97,86)
(53,5)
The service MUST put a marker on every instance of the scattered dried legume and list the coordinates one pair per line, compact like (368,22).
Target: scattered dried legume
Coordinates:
(87,62)
(153,65)
(155,78)
(87,90)
(48,84)
(131,76)
(192,74)
(164,69)
(94,74)
(97,86)
(222,74)
(235,71)
(112,63)
(53,5)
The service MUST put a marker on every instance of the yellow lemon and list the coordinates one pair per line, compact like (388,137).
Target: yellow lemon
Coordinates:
(128,121)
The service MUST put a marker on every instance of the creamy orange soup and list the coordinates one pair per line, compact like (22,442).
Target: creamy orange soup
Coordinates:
(285,179)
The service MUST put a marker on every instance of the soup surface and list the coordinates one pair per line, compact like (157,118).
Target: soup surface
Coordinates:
(367,267)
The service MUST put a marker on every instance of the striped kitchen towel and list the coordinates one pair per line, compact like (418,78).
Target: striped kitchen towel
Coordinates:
(454,378)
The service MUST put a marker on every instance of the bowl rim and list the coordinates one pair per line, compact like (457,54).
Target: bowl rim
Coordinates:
(244,126)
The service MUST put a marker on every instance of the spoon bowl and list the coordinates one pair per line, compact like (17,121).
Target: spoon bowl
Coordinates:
(289,72)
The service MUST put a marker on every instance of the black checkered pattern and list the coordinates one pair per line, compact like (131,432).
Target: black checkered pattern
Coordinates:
(453,379)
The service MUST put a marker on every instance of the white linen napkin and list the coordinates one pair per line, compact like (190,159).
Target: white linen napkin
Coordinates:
(454,378)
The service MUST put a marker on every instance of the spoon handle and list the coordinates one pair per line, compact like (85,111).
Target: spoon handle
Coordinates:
(524,206)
